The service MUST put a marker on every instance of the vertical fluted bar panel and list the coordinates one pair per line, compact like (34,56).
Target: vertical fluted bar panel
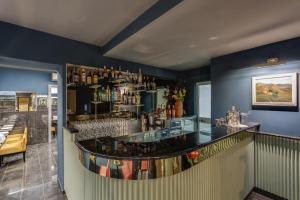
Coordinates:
(228,175)
(277,165)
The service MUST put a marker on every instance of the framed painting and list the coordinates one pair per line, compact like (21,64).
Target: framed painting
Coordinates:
(275,92)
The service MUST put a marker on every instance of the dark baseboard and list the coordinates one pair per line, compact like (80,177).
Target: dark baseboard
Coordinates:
(248,195)
(265,193)
(268,194)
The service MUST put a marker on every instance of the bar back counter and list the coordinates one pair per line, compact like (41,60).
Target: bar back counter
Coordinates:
(212,164)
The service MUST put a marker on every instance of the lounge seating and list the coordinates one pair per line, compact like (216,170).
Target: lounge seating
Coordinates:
(14,144)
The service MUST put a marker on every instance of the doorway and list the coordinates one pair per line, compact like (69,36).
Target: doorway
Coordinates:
(52,112)
(204,105)
(32,67)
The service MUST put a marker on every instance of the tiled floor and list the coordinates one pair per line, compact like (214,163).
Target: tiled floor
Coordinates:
(36,179)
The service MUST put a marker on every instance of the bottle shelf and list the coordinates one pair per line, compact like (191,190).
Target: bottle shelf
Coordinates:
(83,85)
(129,106)
(97,102)
(94,86)
(136,91)
(71,84)
(132,85)
(151,91)
(118,80)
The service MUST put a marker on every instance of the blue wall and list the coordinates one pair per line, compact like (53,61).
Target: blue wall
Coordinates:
(231,84)
(191,78)
(23,43)
(24,80)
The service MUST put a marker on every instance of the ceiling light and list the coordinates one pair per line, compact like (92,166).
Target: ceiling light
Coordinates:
(213,38)
(192,45)
(141,48)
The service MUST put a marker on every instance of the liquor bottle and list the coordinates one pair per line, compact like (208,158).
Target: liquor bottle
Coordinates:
(136,80)
(140,77)
(124,97)
(100,95)
(113,95)
(95,96)
(89,78)
(119,95)
(107,94)
(137,99)
(76,77)
(131,79)
(165,113)
(95,77)
(120,73)
(100,74)
(105,73)
(144,83)
(169,112)
(83,76)
(112,72)
(173,111)
(109,72)
(153,84)
(103,96)
(127,77)
(148,84)
(129,99)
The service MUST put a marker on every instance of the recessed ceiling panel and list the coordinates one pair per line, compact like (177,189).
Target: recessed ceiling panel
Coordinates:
(90,21)
(194,31)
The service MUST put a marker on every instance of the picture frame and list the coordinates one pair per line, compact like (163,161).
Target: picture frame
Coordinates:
(275,92)
(42,100)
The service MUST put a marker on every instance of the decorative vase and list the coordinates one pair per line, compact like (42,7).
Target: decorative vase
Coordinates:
(178,108)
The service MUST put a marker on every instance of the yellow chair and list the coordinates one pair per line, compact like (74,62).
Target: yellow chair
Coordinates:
(14,144)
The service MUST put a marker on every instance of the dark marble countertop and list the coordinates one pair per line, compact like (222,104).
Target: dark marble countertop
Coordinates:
(164,147)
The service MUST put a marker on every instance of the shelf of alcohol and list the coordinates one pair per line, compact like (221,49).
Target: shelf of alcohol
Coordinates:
(137,91)
(132,85)
(97,102)
(129,106)
(94,86)
(151,91)
(118,80)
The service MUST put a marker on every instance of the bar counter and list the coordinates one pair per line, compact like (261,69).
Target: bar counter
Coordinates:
(215,163)
(157,154)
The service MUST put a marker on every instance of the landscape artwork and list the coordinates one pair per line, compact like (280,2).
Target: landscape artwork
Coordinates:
(275,90)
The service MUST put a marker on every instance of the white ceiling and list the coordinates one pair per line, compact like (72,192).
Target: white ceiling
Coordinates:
(194,31)
(185,37)
(90,21)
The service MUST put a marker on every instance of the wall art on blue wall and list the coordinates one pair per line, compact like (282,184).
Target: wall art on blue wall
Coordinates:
(275,92)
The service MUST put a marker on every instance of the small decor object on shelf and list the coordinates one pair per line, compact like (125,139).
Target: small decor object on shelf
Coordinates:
(221,122)
(233,117)
(179,95)
(275,92)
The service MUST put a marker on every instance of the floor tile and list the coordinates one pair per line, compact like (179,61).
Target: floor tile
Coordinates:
(36,193)
(35,179)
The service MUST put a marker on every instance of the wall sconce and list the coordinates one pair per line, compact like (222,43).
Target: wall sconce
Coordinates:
(273,61)
(54,76)
(269,62)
